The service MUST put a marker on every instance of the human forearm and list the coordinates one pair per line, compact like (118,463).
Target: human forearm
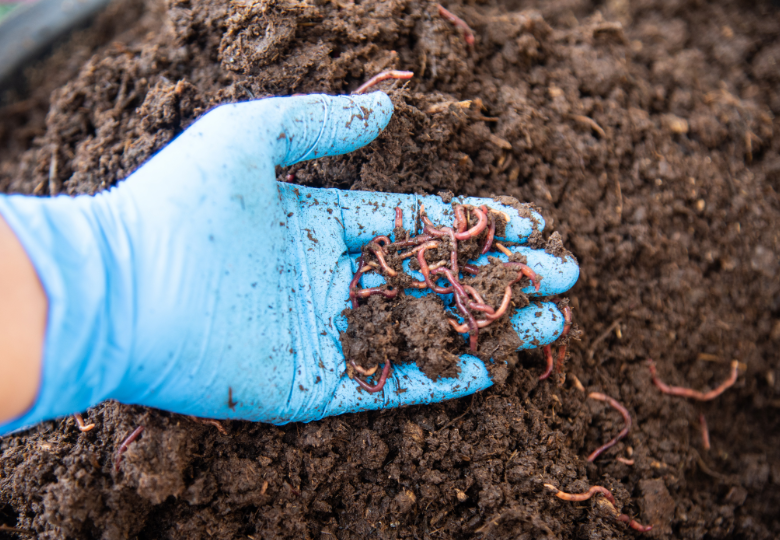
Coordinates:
(23,309)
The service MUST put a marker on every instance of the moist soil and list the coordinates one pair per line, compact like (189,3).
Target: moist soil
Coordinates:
(647,135)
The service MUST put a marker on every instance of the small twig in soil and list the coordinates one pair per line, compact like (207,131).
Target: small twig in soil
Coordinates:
(6,528)
(705,432)
(83,427)
(602,337)
(468,34)
(210,422)
(448,424)
(690,393)
(127,442)
(590,122)
(623,432)
(376,79)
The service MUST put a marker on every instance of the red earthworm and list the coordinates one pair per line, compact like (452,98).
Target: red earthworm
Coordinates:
(468,34)
(362,370)
(566,310)
(460,218)
(491,232)
(127,442)
(473,328)
(399,217)
(561,358)
(424,270)
(548,358)
(476,229)
(625,461)
(82,426)
(381,238)
(463,328)
(412,241)
(705,432)
(504,304)
(379,385)
(579,497)
(527,272)
(502,248)
(471,269)
(376,249)
(355,279)
(450,275)
(426,245)
(437,265)
(376,79)
(623,432)
(365,293)
(634,524)
(694,394)
(474,294)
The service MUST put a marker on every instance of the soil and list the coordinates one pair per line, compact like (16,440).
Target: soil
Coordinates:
(647,135)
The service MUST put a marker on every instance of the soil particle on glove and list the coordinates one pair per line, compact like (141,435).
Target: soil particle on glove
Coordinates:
(646,135)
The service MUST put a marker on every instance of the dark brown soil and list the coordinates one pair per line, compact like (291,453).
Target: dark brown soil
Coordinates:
(646,132)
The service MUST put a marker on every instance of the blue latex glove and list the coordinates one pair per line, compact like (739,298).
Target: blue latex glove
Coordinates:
(202,286)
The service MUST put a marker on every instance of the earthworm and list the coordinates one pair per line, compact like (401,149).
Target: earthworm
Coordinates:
(425,271)
(634,524)
(82,426)
(460,218)
(473,328)
(365,293)
(376,249)
(412,241)
(566,310)
(381,238)
(579,497)
(471,269)
(468,34)
(705,432)
(450,275)
(127,442)
(363,371)
(504,304)
(491,232)
(399,217)
(476,229)
(625,461)
(376,79)
(548,358)
(623,432)
(525,270)
(694,394)
(561,358)
(353,284)
(502,248)
(379,385)
(426,245)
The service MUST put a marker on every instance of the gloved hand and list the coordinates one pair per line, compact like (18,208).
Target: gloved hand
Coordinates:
(202,286)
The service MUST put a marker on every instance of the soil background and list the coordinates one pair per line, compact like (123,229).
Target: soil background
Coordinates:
(646,132)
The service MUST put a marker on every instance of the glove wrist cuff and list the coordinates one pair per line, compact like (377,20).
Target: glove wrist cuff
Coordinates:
(89,320)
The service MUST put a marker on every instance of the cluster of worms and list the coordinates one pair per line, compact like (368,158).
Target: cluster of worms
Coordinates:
(471,222)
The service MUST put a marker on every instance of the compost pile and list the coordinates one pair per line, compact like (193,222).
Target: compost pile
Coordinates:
(646,133)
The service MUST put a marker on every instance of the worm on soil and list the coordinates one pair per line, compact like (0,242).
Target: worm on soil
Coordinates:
(468,34)
(694,394)
(382,379)
(376,79)
(82,426)
(623,432)
(127,442)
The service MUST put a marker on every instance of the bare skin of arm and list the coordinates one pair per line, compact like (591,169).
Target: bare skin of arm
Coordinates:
(23,311)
